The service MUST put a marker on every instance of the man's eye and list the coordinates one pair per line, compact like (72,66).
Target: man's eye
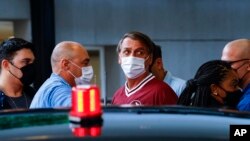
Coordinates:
(86,64)
(26,62)
(126,52)
(140,53)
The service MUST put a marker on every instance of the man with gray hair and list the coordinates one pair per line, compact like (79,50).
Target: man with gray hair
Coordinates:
(237,52)
(135,51)
(70,66)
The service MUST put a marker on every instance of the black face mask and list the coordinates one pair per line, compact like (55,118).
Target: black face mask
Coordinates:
(232,99)
(28,74)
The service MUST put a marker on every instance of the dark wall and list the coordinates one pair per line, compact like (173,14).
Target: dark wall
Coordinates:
(43,36)
(190,32)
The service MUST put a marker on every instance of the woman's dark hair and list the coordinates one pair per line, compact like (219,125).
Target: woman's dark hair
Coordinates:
(197,91)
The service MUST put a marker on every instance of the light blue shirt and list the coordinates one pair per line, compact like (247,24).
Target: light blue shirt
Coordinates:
(177,84)
(55,92)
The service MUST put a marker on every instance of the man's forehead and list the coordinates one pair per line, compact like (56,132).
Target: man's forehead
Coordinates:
(133,48)
(24,54)
(129,43)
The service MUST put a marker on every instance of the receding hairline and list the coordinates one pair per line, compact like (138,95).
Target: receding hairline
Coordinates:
(138,36)
(65,49)
(239,43)
(239,46)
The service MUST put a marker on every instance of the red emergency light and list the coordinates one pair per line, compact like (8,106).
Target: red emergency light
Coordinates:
(86,112)
(86,101)
(83,132)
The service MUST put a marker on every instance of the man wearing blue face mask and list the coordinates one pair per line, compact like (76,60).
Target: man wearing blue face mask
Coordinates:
(70,66)
(135,52)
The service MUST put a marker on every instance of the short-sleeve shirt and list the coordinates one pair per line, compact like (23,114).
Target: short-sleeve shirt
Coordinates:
(177,84)
(149,91)
(55,92)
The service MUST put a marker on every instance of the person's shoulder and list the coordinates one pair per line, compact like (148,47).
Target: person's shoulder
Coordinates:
(156,81)
(176,79)
(55,82)
(29,91)
(51,89)
(118,94)
(61,89)
(160,84)
(179,80)
(164,90)
(54,78)
(175,82)
(119,90)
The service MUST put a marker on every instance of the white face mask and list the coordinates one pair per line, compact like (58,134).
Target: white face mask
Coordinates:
(86,77)
(133,67)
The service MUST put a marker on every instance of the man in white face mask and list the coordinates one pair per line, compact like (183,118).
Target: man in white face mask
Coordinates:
(70,66)
(135,51)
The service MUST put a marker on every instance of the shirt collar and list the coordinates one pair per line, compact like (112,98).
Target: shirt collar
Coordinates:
(58,77)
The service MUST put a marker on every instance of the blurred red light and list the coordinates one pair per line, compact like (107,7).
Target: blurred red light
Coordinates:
(86,101)
(95,131)
(81,132)
(85,114)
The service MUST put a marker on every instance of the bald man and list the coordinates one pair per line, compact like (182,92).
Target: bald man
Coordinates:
(70,66)
(237,52)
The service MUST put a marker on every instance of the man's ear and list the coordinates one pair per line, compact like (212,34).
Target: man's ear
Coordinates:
(64,63)
(159,63)
(150,59)
(5,63)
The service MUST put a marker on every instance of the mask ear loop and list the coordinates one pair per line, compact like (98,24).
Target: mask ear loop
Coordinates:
(14,65)
(11,72)
(72,74)
(74,64)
